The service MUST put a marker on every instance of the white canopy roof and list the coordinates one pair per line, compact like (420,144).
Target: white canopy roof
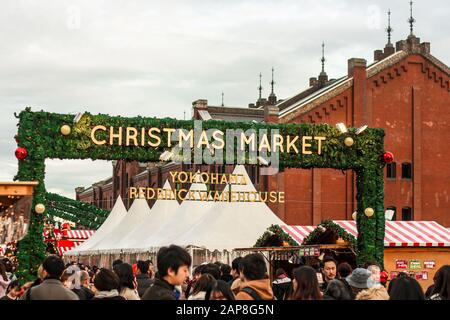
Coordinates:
(114,218)
(231,225)
(138,211)
(188,214)
(161,212)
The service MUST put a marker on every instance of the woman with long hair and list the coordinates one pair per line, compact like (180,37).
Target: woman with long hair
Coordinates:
(405,287)
(441,290)
(127,281)
(203,287)
(305,284)
(222,291)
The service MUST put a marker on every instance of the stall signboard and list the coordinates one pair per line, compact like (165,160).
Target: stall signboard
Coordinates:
(415,264)
(309,252)
(401,264)
(429,264)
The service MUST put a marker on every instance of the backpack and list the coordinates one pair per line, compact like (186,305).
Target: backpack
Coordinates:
(252,293)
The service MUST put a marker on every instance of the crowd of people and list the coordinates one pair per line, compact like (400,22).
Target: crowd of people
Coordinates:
(246,279)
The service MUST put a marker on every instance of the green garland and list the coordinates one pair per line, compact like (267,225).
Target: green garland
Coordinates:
(39,133)
(274,232)
(315,235)
(83,214)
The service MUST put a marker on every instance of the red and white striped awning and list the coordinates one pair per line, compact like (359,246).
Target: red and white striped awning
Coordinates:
(397,233)
(78,234)
(63,249)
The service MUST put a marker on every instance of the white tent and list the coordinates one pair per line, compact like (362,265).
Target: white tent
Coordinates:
(188,214)
(231,224)
(161,212)
(114,218)
(138,211)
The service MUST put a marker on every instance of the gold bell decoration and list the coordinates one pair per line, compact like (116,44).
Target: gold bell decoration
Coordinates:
(39,208)
(369,212)
(349,141)
(65,130)
(354,215)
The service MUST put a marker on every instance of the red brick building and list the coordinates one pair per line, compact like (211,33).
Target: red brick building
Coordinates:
(404,91)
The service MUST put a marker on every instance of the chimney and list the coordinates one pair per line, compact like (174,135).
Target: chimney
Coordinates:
(378,55)
(313,82)
(78,191)
(198,105)
(357,70)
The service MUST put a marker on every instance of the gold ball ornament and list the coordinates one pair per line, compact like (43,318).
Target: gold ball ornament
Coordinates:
(369,212)
(65,130)
(349,141)
(39,208)
(354,215)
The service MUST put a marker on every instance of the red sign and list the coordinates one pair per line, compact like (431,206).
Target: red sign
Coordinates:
(429,264)
(401,264)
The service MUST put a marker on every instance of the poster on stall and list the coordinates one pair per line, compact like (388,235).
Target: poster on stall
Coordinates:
(422,275)
(415,264)
(401,264)
(429,264)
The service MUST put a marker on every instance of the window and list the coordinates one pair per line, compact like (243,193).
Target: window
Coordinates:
(406,170)
(395,212)
(407,214)
(391,172)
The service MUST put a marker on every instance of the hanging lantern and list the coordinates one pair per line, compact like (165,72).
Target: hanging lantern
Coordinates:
(65,130)
(21,153)
(349,141)
(39,208)
(388,157)
(369,212)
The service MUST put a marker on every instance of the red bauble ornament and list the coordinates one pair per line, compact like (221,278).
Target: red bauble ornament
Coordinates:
(388,157)
(21,153)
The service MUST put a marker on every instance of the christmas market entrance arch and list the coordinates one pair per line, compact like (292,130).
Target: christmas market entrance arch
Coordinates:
(42,135)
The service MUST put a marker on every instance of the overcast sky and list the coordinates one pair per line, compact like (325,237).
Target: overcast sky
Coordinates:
(153,58)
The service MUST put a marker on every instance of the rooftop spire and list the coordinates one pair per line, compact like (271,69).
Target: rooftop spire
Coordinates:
(411,19)
(272,82)
(389,29)
(272,96)
(323,57)
(222,99)
(323,77)
(260,86)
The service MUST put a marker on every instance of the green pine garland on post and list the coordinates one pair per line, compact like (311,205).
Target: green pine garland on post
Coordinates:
(39,133)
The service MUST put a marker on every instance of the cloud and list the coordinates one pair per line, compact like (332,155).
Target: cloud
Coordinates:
(154,58)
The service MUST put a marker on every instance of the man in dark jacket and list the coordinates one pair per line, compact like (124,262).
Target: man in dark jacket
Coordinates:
(51,288)
(329,272)
(173,269)
(142,277)
(84,292)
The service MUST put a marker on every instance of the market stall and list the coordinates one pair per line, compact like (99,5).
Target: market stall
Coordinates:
(15,209)
(419,248)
